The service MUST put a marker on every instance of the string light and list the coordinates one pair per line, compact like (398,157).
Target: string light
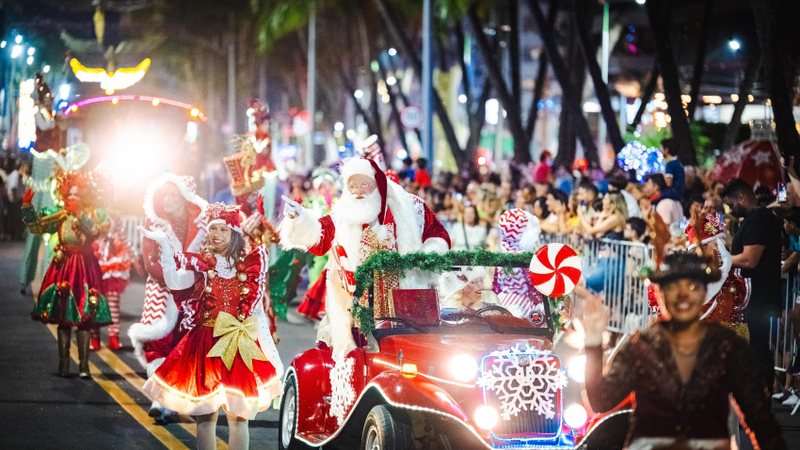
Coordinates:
(641,159)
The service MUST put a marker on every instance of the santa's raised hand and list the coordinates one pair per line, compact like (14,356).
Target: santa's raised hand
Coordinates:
(292,209)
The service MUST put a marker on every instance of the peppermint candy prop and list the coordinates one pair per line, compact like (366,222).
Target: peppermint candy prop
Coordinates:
(555,269)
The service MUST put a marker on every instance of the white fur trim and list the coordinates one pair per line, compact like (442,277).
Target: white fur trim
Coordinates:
(530,237)
(435,245)
(713,288)
(302,232)
(356,166)
(222,222)
(140,333)
(177,181)
(409,217)
(337,304)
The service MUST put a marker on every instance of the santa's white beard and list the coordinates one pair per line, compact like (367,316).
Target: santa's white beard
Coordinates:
(353,211)
(349,215)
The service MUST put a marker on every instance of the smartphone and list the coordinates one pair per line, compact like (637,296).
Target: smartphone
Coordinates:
(781,192)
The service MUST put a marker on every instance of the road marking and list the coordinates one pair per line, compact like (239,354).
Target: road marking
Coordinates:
(127,403)
(124,370)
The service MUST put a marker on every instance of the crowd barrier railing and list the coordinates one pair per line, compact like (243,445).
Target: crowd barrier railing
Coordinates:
(610,268)
(782,340)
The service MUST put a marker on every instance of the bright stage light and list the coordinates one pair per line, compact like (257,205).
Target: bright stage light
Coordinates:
(18,39)
(16,51)
(133,154)
(734,44)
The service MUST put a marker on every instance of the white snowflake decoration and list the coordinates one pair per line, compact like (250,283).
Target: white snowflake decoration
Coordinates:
(521,385)
(342,392)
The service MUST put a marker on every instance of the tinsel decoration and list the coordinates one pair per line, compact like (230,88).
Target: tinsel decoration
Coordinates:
(427,262)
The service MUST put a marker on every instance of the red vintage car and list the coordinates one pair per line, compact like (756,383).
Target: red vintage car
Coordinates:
(457,379)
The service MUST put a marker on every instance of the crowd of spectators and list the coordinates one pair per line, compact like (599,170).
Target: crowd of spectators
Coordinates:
(14,175)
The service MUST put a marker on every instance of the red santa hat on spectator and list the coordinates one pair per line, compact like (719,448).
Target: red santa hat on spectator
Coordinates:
(220,213)
(368,168)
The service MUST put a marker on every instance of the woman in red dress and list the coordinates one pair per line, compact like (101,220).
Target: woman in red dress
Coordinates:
(227,358)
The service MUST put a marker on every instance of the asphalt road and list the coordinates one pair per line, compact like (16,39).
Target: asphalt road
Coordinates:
(39,410)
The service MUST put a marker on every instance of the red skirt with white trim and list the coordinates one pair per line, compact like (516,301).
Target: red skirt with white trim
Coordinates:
(192,383)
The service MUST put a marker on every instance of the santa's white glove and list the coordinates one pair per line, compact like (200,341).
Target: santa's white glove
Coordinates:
(176,279)
(292,209)
(157,235)
(594,321)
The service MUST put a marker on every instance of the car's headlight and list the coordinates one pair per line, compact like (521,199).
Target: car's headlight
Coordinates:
(463,368)
(576,368)
(486,417)
(575,415)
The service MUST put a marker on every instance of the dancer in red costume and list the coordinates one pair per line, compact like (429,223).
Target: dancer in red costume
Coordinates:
(227,357)
(71,289)
(115,257)
(170,205)
(373,214)
(725,299)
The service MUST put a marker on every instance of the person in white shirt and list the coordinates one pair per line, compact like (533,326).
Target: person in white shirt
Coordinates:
(468,233)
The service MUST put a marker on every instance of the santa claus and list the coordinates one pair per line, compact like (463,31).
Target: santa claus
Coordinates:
(373,214)
(171,205)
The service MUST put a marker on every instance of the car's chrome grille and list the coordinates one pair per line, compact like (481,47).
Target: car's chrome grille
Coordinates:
(526,422)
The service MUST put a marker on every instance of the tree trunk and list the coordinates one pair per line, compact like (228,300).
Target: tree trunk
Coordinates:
(772,54)
(647,94)
(583,26)
(541,77)
(658,12)
(461,42)
(567,148)
(408,51)
(700,58)
(570,100)
(395,114)
(477,119)
(750,74)
(521,154)
(374,128)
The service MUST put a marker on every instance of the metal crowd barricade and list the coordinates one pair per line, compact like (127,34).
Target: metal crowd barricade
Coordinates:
(624,293)
(130,226)
(782,340)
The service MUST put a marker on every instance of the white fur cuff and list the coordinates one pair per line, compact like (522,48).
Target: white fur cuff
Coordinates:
(435,245)
(302,232)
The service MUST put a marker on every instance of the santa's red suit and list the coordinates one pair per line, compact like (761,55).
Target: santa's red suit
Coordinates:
(158,330)
(386,218)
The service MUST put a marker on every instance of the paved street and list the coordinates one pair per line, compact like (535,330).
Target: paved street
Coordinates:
(40,410)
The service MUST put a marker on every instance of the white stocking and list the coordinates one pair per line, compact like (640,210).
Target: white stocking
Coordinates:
(206,431)
(238,433)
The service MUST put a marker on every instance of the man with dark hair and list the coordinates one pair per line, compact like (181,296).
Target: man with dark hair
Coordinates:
(674,173)
(587,194)
(636,230)
(668,208)
(757,250)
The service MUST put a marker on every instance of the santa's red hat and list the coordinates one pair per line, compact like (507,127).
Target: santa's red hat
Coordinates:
(369,168)
(217,213)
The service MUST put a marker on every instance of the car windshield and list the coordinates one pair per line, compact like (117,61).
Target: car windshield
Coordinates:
(467,299)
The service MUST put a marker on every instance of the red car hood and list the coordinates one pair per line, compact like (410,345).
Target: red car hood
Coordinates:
(419,347)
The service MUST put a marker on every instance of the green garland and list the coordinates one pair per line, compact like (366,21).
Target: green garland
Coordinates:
(428,262)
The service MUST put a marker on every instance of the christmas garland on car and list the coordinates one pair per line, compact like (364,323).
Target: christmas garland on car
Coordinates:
(428,262)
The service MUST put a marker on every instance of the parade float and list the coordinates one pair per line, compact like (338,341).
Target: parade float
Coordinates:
(428,377)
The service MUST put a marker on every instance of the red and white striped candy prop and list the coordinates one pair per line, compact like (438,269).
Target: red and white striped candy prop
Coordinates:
(555,269)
